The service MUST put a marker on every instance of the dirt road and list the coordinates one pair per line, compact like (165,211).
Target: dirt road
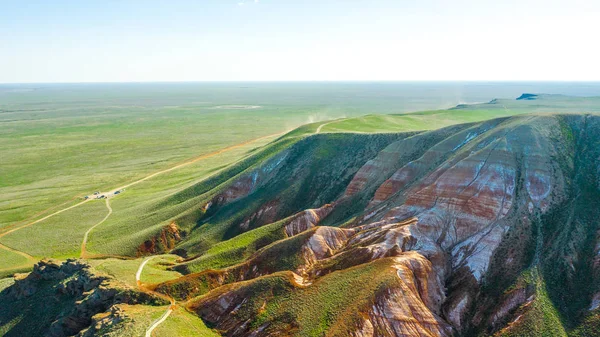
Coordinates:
(322,125)
(30,259)
(83,254)
(138,276)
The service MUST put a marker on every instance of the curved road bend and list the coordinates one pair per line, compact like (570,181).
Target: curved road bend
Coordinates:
(87,233)
(155,324)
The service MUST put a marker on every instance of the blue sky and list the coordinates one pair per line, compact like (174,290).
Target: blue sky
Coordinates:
(248,40)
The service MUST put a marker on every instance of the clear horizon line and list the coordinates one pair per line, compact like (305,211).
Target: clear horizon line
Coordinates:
(306,81)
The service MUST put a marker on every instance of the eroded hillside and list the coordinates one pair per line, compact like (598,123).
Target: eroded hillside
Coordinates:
(479,229)
(489,227)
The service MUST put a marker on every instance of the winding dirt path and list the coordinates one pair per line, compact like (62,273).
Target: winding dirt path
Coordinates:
(83,254)
(30,259)
(42,219)
(40,213)
(202,157)
(322,125)
(138,276)
(159,321)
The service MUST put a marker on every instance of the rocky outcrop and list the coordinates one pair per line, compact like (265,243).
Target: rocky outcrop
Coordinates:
(435,155)
(163,242)
(230,308)
(298,254)
(52,271)
(306,220)
(77,291)
(246,183)
(238,189)
(104,321)
(264,215)
(408,305)
(464,201)
(410,309)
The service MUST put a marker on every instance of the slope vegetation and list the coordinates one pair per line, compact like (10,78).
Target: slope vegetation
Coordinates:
(488,225)
(486,228)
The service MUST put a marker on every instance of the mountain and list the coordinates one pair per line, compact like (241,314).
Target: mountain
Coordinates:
(479,229)
(484,228)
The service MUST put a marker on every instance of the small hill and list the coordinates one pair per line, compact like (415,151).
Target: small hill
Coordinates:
(529,97)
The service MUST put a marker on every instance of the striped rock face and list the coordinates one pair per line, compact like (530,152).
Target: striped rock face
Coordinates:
(472,222)
(463,188)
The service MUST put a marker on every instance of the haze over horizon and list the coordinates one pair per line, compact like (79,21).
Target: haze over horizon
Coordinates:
(329,40)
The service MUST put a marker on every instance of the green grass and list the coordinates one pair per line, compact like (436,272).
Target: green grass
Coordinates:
(314,172)
(6,282)
(185,324)
(64,147)
(429,120)
(65,140)
(155,271)
(542,318)
(281,255)
(589,327)
(59,155)
(325,306)
(122,270)
(59,236)
(142,210)
(233,251)
(138,319)
(12,271)
(134,209)
(55,159)
(328,306)
(11,260)
(435,119)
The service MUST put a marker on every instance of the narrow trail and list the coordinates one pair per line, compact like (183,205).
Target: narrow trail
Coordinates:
(42,219)
(322,125)
(40,213)
(15,228)
(158,322)
(23,254)
(30,259)
(202,157)
(83,254)
(138,276)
